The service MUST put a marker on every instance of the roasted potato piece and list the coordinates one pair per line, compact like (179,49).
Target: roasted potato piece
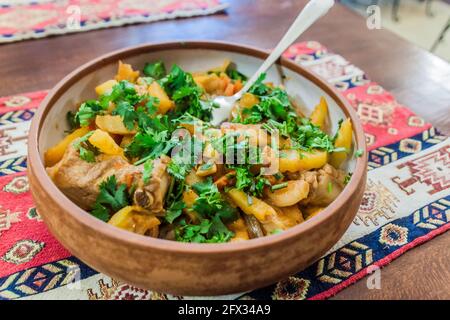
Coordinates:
(105,143)
(226,63)
(126,72)
(211,83)
(248,100)
(192,178)
(165,104)
(240,230)
(290,216)
(343,140)
(189,198)
(206,169)
(112,124)
(126,140)
(320,114)
(310,212)
(294,192)
(293,160)
(134,219)
(251,205)
(106,87)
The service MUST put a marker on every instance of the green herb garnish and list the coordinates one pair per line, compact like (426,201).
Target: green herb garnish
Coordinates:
(174,211)
(279,186)
(85,148)
(148,169)
(359,153)
(156,70)
(112,198)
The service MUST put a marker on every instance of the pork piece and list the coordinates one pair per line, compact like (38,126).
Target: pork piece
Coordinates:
(80,180)
(151,196)
(325,185)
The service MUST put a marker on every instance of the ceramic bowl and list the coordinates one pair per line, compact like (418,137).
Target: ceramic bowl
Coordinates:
(181,268)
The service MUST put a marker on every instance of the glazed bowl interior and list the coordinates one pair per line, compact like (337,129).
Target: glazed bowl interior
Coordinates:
(304,92)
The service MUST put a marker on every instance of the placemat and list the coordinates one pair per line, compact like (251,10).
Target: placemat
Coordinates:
(20,20)
(407,201)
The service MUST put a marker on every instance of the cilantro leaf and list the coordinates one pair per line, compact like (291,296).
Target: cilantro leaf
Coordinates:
(183,90)
(259,88)
(87,111)
(174,211)
(208,231)
(156,70)
(218,231)
(359,153)
(148,169)
(87,155)
(112,198)
(127,112)
(205,186)
(193,233)
(210,202)
(100,212)
(87,150)
(125,97)
(72,120)
(348,178)
(235,75)
(248,182)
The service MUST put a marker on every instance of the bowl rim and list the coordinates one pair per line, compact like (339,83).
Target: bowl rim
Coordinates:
(132,239)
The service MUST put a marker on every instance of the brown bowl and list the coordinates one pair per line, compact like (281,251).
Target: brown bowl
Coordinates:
(169,266)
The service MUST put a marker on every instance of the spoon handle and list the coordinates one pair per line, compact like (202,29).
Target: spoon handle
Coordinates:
(313,10)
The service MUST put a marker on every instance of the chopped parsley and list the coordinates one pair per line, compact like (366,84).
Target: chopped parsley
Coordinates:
(207,231)
(213,211)
(112,198)
(72,121)
(347,178)
(279,186)
(148,169)
(174,211)
(182,89)
(359,153)
(156,70)
(87,111)
(85,148)
(277,113)
(235,75)
(252,184)
(125,97)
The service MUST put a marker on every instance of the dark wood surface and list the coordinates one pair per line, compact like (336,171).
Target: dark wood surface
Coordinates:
(418,79)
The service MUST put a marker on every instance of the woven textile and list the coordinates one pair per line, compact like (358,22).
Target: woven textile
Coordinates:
(20,20)
(407,201)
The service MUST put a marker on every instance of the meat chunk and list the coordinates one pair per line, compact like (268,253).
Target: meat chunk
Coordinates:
(325,185)
(151,196)
(80,180)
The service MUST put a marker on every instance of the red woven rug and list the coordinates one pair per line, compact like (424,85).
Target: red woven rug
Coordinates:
(407,201)
(22,19)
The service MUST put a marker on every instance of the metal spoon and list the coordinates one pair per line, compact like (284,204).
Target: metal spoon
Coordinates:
(313,10)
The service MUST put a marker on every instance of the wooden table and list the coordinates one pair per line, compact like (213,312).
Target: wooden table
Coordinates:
(417,78)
